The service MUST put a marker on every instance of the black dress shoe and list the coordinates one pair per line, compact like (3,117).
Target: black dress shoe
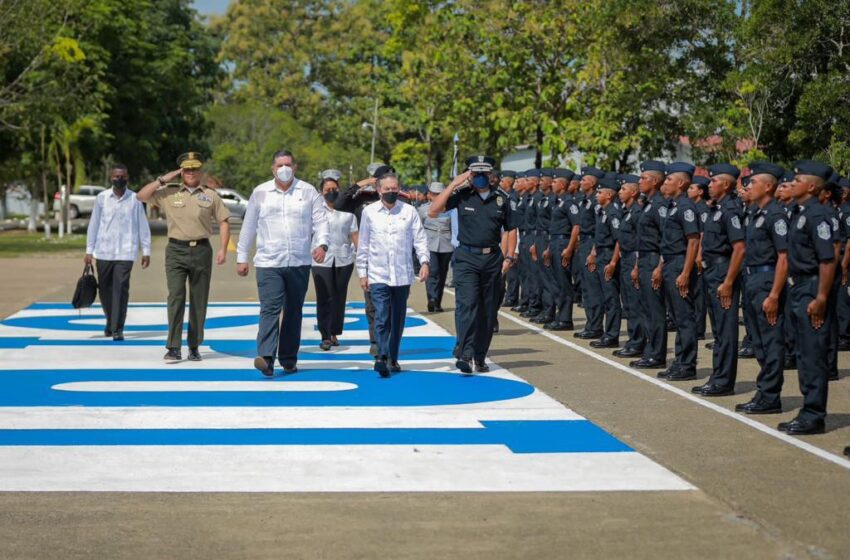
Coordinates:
(699,388)
(588,335)
(519,308)
(194,355)
(264,365)
(395,367)
(682,375)
(847,451)
(844,345)
(173,355)
(481,367)
(381,367)
(438,309)
(107,332)
(527,314)
(326,345)
(628,352)
(797,427)
(542,319)
(431,306)
(758,406)
(745,353)
(118,336)
(605,342)
(711,390)
(463,365)
(673,369)
(648,363)
(833,376)
(671,326)
(289,369)
(558,326)
(509,303)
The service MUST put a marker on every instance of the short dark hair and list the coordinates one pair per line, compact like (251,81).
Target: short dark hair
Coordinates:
(120,166)
(327,180)
(282,153)
(388,176)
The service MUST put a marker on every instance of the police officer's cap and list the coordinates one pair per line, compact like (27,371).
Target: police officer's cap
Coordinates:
(767,168)
(629,178)
(833,179)
(593,172)
(507,173)
(547,172)
(723,169)
(612,175)
(700,180)
(564,174)
(520,174)
(480,164)
(190,160)
(788,176)
(532,173)
(334,174)
(653,165)
(681,167)
(382,170)
(609,183)
(844,183)
(812,167)
(421,188)
(436,187)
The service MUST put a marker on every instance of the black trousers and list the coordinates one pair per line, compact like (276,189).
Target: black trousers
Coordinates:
(436,282)
(812,348)
(546,278)
(331,294)
(768,340)
(477,279)
(564,293)
(611,305)
(113,281)
(724,353)
(512,286)
(631,303)
(654,309)
(683,312)
(528,279)
(591,288)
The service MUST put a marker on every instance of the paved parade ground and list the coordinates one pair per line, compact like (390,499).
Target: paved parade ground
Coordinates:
(558,452)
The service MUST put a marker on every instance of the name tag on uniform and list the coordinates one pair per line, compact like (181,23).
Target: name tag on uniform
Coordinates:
(469,209)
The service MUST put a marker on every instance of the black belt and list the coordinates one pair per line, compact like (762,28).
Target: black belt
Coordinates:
(669,255)
(628,254)
(584,236)
(800,278)
(479,250)
(709,261)
(762,268)
(648,253)
(560,236)
(186,243)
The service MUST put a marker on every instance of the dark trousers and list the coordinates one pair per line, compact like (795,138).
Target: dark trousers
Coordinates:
(768,340)
(331,294)
(701,305)
(511,294)
(563,280)
(113,284)
(843,315)
(439,271)
(192,264)
(747,342)
(631,304)
(610,293)
(654,309)
(832,349)
(281,290)
(528,278)
(591,288)
(370,316)
(390,312)
(811,350)
(683,312)
(724,354)
(476,284)
(546,278)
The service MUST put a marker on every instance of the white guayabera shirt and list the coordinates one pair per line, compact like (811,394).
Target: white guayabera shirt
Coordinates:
(117,227)
(387,240)
(340,246)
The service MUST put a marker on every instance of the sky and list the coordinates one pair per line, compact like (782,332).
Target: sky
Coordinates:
(211,7)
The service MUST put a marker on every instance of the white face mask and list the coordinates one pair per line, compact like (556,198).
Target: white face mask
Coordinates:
(284,174)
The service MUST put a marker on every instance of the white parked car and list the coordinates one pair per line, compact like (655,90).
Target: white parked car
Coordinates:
(235,202)
(81,202)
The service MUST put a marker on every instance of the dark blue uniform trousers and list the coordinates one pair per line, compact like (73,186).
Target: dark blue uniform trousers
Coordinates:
(563,279)
(477,279)
(528,277)
(683,312)
(724,354)
(654,309)
(768,340)
(546,278)
(610,293)
(390,312)
(591,288)
(281,290)
(439,271)
(811,350)
(631,304)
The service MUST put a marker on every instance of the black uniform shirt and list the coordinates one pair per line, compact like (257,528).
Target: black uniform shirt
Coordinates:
(480,222)
(519,209)
(628,228)
(649,224)
(723,227)
(703,211)
(680,221)
(531,212)
(544,213)
(587,216)
(810,238)
(564,215)
(767,235)
(607,227)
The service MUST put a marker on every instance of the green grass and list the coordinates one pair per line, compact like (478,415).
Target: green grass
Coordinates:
(22,244)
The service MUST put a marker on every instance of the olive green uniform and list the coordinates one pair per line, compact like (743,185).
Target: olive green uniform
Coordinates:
(188,256)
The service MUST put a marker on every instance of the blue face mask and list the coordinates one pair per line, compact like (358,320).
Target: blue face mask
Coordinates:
(480,182)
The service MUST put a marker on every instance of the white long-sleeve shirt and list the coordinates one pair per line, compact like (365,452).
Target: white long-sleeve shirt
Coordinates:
(283,223)
(118,226)
(387,240)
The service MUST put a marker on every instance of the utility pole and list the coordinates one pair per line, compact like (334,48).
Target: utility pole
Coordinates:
(374,126)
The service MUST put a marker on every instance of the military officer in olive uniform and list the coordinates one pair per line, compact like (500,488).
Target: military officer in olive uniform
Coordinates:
(564,231)
(627,246)
(811,268)
(439,233)
(190,209)
(604,261)
(483,214)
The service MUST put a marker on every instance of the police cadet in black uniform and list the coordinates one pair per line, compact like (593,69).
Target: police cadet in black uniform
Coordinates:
(811,268)
(677,271)
(627,246)
(564,231)
(698,193)
(844,291)
(521,188)
(479,263)
(527,239)
(545,273)
(766,270)
(576,267)
(604,260)
(510,298)
(785,197)
(590,287)
(829,197)
(722,253)
(654,308)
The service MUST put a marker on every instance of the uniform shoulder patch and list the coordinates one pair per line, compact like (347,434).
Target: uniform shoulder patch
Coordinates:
(736,222)
(824,231)
(662,212)
(573,209)
(689,215)
(615,223)
(780,227)
(717,216)
(500,200)
(703,217)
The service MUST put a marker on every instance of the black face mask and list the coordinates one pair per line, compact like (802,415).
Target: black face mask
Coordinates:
(331,196)
(389,197)
(119,184)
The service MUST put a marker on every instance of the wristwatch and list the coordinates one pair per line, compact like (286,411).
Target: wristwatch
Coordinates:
(161,182)
(324,247)
(509,258)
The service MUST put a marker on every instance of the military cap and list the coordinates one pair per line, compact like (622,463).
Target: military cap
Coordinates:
(844,183)
(564,174)
(334,174)
(609,183)
(787,177)
(520,174)
(628,178)
(532,173)
(481,164)
(812,167)
(382,170)
(680,167)
(593,172)
(767,168)
(653,165)
(547,172)
(507,173)
(833,179)
(436,187)
(700,180)
(190,160)
(723,169)
(611,175)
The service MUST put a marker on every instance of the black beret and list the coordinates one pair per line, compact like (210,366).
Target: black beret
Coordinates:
(833,179)
(628,178)
(383,170)
(724,169)
(564,174)
(480,163)
(547,172)
(767,168)
(653,165)
(681,167)
(787,177)
(520,174)
(812,167)
(593,172)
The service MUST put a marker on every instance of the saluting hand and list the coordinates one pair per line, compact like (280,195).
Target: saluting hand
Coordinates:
(816,310)
(171,175)
(460,180)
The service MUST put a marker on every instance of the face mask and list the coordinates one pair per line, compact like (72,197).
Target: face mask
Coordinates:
(480,182)
(331,196)
(389,197)
(119,184)
(284,174)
